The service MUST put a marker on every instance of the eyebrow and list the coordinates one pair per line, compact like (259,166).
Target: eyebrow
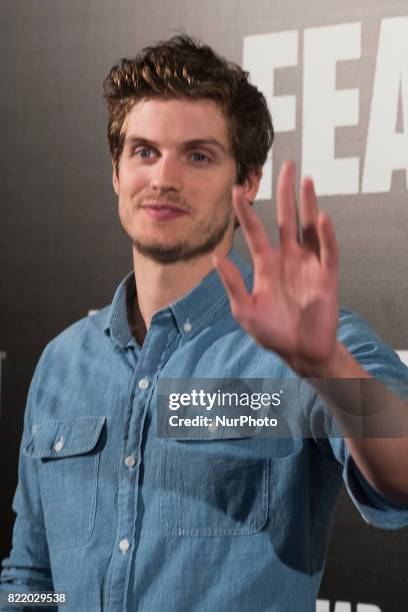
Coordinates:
(188,144)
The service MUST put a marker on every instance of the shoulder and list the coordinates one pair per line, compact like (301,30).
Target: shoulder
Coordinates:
(85,334)
(64,365)
(353,326)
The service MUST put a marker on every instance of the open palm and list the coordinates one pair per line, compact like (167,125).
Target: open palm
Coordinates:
(293,307)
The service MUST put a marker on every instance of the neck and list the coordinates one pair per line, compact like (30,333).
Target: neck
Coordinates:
(159,285)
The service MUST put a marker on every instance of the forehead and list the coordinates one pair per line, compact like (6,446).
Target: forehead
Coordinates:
(177,120)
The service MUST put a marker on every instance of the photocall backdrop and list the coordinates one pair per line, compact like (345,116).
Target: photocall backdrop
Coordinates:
(336,79)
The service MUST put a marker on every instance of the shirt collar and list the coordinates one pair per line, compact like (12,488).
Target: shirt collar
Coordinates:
(199,306)
(117,325)
(190,313)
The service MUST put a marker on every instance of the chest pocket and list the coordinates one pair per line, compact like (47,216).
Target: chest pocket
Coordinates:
(67,452)
(214,487)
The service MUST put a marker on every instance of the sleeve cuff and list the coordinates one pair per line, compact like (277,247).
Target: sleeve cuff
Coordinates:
(375,509)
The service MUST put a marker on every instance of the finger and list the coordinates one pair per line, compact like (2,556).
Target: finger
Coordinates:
(252,226)
(286,204)
(328,242)
(232,280)
(309,213)
(308,202)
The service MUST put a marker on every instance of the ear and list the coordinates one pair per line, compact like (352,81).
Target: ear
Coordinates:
(115,178)
(251,184)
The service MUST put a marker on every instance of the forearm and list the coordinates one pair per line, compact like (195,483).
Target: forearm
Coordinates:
(27,569)
(13,595)
(372,419)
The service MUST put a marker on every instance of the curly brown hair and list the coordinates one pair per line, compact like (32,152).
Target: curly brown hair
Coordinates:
(183,67)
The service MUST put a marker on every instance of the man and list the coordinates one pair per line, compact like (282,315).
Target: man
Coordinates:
(119,518)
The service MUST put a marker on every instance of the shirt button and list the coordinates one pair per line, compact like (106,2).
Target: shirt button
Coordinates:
(124,545)
(187,326)
(130,461)
(59,445)
(143,383)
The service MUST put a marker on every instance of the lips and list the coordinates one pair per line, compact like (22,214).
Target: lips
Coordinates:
(163,212)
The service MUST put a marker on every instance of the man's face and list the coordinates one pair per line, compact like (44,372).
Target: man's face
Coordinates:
(175,178)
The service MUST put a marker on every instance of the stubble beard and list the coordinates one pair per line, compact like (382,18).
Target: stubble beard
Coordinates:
(183,250)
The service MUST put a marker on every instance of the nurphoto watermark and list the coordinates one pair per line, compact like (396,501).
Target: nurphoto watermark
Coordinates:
(240,408)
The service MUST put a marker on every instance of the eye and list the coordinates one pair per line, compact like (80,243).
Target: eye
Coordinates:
(198,156)
(144,152)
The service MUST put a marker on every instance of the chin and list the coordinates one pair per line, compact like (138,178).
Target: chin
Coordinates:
(163,253)
(168,251)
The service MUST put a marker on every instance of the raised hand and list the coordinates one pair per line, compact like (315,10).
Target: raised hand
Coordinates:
(293,308)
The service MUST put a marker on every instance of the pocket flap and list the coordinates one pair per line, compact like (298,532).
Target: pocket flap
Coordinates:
(65,437)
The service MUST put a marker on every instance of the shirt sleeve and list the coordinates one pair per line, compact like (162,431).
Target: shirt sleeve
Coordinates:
(375,509)
(384,364)
(28,567)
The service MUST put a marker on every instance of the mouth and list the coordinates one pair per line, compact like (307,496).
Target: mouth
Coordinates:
(163,212)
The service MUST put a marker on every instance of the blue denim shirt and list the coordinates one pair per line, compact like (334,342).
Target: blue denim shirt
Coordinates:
(121,519)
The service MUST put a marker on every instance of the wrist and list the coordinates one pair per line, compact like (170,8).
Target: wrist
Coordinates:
(339,364)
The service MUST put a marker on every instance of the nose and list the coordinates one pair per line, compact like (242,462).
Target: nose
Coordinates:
(167,174)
